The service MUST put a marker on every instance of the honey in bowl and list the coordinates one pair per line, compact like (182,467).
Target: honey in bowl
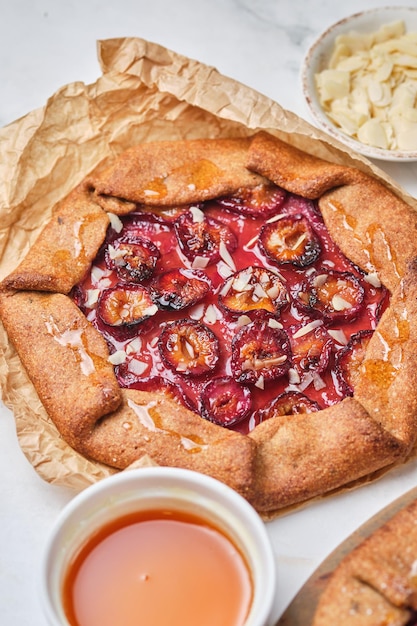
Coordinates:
(157,567)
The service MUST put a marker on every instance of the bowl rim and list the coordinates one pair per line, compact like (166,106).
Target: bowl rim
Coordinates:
(317,50)
(226,508)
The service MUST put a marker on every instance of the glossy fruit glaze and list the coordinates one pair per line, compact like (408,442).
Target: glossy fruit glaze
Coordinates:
(250,291)
(156,568)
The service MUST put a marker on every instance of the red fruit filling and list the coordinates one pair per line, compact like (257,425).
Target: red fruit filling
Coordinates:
(260,352)
(288,403)
(349,360)
(189,348)
(290,239)
(202,237)
(311,350)
(215,305)
(253,289)
(333,295)
(134,259)
(124,305)
(225,402)
(179,288)
(260,201)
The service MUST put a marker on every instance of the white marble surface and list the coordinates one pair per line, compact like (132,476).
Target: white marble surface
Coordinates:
(45,44)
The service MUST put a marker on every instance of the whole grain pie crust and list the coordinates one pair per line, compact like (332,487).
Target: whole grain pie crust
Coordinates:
(376,583)
(283,457)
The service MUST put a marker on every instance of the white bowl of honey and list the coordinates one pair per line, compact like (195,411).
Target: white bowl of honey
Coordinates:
(157,546)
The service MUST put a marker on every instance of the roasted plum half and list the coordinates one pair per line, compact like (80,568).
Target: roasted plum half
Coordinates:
(335,296)
(349,359)
(179,288)
(203,237)
(225,402)
(189,347)
(288,403)
(311,347)
(290,240)
(133,258)
(125,305)
(260,201)
(260,352)
(253,289)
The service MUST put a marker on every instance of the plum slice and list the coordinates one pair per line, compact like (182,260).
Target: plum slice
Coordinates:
(290,239)
(179,288)
(189,347)
(260,352)
(311,350)
(333,295)
(253,289)
(225,402)
(260,201)
(288,403)
(349,359)
(125,304)
(203,236)
(133,258)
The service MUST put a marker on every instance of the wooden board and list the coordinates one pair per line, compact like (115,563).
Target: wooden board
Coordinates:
(301,610)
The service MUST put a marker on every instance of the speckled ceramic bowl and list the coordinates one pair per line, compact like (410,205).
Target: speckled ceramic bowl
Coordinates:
(317,59)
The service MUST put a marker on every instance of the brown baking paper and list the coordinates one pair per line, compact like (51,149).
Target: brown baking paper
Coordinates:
(145,93)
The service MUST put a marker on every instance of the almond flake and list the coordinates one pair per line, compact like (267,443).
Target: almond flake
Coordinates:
(318,382)
(273,323)
(116,253)
(200,262)
(260,383)
(304,330)
(258,364)
(319,280)
(210,316)
(280,216)
(340,304)
(118,357)
(226,288)
(137,367)
(97,274)
(134,346)
(293,376)
(373,279)
(224,270)
(243,320)
(241,282)
(339,336)
(115,222)
(273,292)
(299,241)
(190,349)
(197,312)
(226,256)
(251,243)
(198,215)
(307,380)
(92,297)
(259,292)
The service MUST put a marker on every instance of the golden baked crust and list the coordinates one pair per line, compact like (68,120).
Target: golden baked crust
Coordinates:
(285,460)
(65,248)
(376,583)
